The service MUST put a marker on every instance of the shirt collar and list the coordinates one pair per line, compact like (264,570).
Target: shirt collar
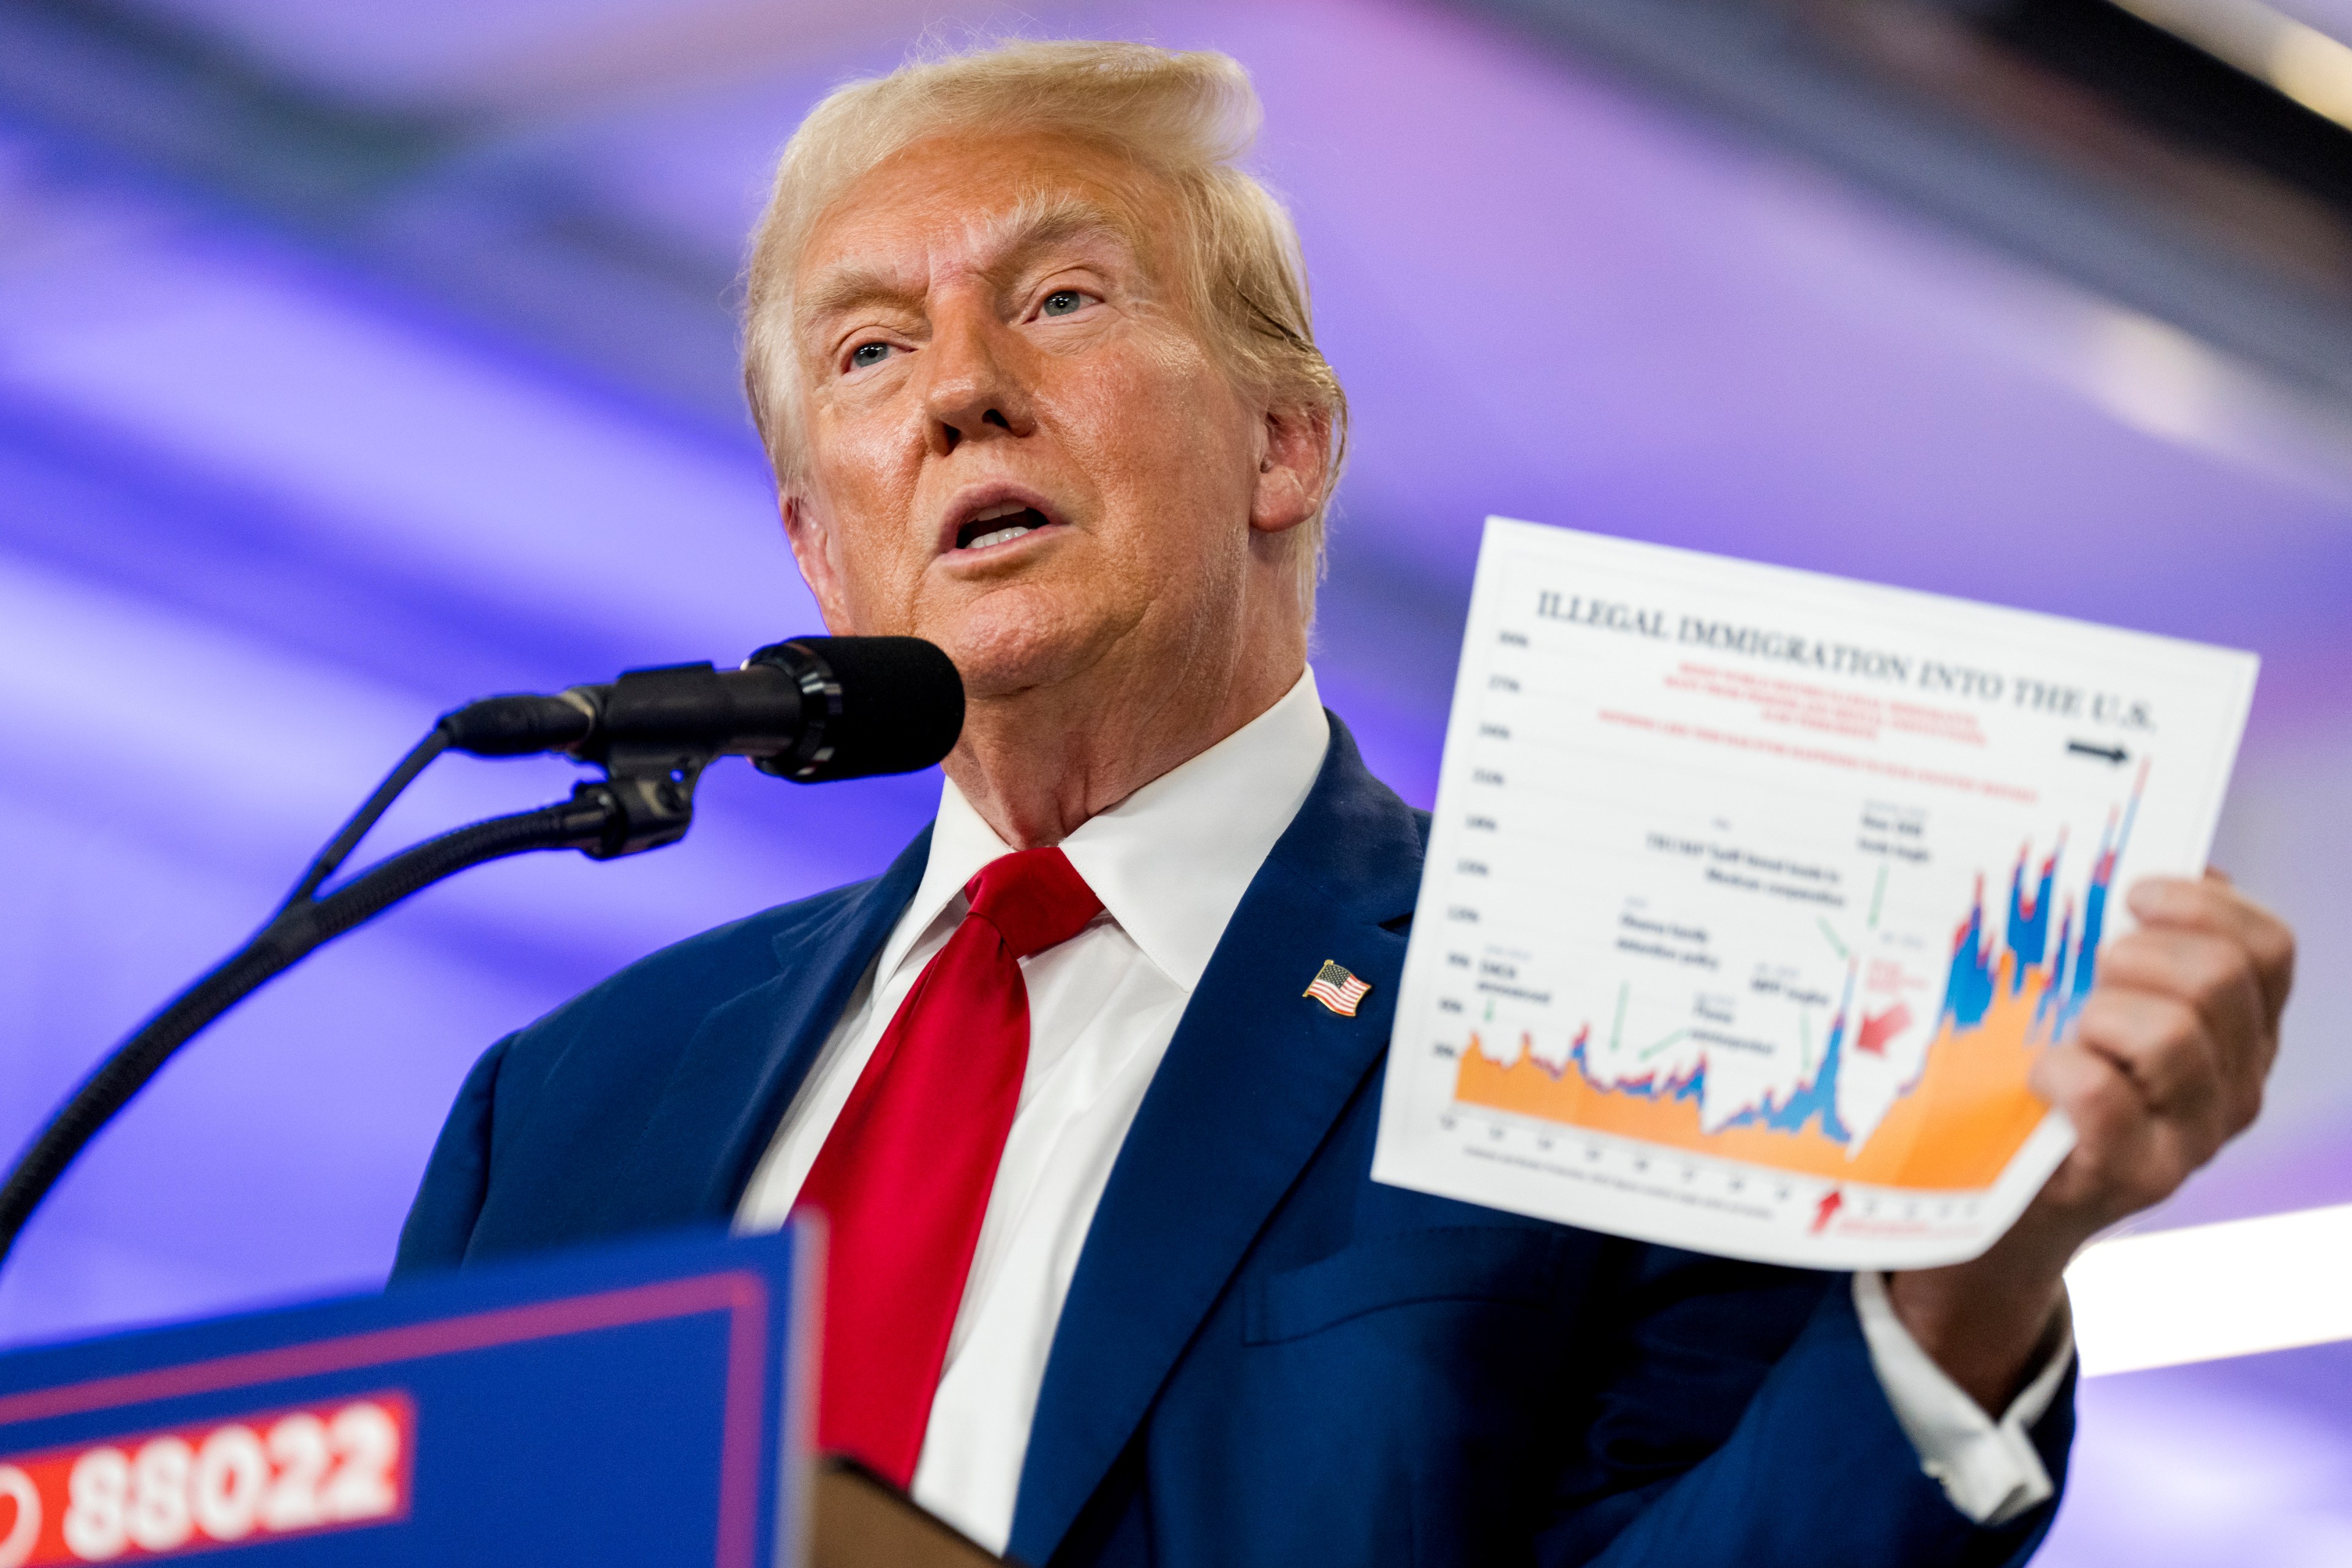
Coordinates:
(1171,861)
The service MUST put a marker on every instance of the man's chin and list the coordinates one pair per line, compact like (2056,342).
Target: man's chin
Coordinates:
(1014,641)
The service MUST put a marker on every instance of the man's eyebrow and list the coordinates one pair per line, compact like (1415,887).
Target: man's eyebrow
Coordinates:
(846,289)
(1044,219)
(1003,239)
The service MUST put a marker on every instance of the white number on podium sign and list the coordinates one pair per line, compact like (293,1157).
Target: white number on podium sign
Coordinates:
(165,1494)
(225,1489)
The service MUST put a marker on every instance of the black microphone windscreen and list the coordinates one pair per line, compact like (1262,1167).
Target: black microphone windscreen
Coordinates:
(900,706)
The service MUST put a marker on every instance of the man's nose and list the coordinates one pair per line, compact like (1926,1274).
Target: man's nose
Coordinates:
(977,387)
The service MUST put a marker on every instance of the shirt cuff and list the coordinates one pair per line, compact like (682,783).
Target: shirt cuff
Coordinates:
(1990,1470)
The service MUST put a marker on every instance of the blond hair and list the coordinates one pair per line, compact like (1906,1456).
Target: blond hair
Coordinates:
(1183,118)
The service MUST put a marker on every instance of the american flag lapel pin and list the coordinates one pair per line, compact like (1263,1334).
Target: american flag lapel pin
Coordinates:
(1337,989)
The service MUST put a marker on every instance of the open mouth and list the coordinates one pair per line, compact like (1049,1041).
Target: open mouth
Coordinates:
(999,524)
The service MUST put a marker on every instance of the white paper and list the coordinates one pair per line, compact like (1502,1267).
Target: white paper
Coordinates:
(1752,894)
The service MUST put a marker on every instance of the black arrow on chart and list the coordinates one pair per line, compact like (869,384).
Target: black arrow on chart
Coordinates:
(2114,755)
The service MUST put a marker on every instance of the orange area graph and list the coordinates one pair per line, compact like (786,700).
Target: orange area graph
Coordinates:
(1954,1131)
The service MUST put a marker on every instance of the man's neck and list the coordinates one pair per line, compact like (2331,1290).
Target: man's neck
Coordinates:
(1038,764)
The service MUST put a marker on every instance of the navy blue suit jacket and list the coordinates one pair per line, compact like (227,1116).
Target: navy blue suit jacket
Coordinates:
(1264,1356)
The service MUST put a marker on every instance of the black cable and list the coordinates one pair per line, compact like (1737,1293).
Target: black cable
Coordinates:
(300,926)
(347,837)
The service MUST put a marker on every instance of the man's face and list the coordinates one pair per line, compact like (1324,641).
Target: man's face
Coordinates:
(1016,444)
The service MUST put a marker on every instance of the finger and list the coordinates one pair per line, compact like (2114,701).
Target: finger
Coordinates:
(2214,905)
(2162,1047)
(2121,1162)
(2213,974)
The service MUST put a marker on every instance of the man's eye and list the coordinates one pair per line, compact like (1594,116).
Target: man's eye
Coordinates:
(1061,302)
(867,355)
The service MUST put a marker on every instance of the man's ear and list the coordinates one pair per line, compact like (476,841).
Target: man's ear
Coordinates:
(1292,467)
(816,549)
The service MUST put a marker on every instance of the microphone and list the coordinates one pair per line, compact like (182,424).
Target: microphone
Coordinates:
(809,710)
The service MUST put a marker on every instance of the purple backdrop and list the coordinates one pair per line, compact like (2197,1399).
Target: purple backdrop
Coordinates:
(262,517)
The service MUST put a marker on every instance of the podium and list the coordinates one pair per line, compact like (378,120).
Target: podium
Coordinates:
(630,1404)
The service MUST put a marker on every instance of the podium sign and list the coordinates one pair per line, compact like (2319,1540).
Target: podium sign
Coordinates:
(632,1404)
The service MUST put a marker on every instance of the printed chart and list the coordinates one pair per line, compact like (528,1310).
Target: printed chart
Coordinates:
(1753,895)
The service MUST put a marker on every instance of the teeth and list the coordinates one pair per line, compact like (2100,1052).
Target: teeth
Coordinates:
(999,537)
(993,513)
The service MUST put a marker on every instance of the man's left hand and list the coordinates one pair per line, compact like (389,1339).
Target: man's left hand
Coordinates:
(2165,1064)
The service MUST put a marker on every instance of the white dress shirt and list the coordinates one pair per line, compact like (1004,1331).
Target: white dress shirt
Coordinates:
(1170,864)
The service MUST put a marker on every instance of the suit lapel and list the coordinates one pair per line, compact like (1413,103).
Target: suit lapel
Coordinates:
(1252,1080)
(747,1059)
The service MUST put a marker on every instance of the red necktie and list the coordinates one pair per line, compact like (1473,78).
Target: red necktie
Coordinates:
(904,1177)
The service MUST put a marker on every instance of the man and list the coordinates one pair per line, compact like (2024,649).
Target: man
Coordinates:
(1109,1281)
